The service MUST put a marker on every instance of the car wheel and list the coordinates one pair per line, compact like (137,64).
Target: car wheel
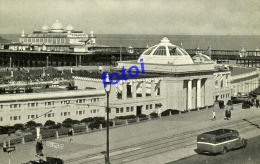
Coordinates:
(224,150)
(244,144)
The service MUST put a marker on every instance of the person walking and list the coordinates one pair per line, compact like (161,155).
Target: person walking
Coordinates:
(70,133)
(213,115)
(39,147)
(226,115)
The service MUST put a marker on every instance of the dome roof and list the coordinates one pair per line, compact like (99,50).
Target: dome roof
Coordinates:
(201,58)
(45,28)
(69,28)
(166,53)
(57,27)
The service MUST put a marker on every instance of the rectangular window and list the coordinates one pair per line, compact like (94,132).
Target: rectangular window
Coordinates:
(15,117)
(151,106)
(15,105)
(68,113)
(147,107)
(132,108)
(61,114)
(83,111)
(65,113)
(94,111)
(77,112)
(52,114)
(1,106)
(32,116)
(117,110)
(1,118)
(121,110)
(49,103)
(28,116)
(11,106)
(49,115)
(127,109)
(90,111)
(80,101)
(80,112)
(19,117)
(11,118)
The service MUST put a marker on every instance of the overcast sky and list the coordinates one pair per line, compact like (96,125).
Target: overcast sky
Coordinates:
(172,17)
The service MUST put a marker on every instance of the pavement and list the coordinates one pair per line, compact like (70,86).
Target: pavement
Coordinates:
(123,138)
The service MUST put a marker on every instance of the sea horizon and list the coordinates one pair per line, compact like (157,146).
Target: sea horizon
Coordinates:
(221,42)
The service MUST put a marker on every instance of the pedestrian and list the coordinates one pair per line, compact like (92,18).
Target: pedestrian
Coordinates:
(213,115)
(229,114)
(39,147)
(226,115)
(257,103)
(70,134)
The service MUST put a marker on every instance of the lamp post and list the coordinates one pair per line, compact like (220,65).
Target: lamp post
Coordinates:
(107,89)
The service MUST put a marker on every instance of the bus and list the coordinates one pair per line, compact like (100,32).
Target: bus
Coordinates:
(219,141)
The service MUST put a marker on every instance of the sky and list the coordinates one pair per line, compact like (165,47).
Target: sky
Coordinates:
(171,17)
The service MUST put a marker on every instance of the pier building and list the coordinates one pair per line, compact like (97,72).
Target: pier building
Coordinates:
(55,38)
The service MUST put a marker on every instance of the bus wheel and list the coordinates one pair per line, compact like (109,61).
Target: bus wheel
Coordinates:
(224,150)
(199,151)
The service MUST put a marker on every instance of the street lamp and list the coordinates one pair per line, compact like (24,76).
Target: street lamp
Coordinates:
(107,89)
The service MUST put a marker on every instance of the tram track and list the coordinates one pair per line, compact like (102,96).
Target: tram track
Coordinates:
(162,145)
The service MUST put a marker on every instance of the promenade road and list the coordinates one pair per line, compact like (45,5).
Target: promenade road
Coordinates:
(126,138)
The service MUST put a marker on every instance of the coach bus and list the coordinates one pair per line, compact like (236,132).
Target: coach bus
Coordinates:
(219,141)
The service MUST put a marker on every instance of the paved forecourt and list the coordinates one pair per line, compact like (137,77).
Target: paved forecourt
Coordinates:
(126,136)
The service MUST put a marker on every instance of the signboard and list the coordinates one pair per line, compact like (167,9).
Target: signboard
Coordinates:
(9,149)
(78,35)
(54,145)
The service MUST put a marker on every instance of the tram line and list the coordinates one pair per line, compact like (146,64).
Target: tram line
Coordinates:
(164,144)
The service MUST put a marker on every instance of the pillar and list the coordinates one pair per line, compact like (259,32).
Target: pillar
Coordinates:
(87,129)
(198,93)
(76,60)
(126,122)
(144,89)
(100,126)
(152,88)
(137,119)
(124,90)
(114,123)
(134,90)
(79,59)
(57,134)
(47,61)
(189,105)
(23,141)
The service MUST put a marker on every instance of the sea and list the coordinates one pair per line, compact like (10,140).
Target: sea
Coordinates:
(217,42)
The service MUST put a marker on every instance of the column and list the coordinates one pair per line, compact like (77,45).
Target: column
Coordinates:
(79,59)
(189,105)
(124,90)
(144,89)
(76,60)
(152,88)
(134,90)
(198,93)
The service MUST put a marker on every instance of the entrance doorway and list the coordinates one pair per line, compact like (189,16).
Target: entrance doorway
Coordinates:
(138,110)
